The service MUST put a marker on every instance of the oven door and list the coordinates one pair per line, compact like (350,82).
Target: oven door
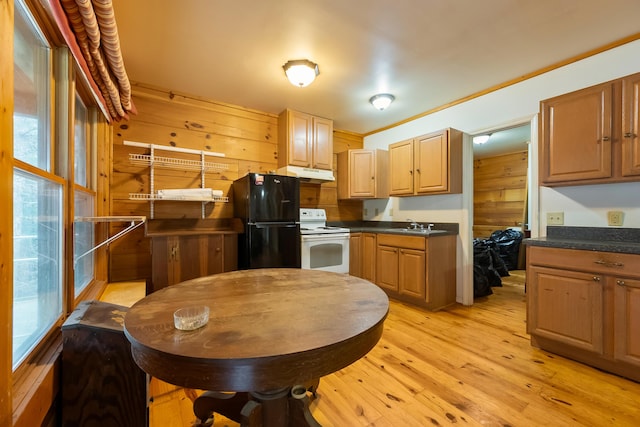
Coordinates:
(327,252)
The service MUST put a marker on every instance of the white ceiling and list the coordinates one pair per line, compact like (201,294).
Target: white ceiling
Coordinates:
(426,52)
(504,141)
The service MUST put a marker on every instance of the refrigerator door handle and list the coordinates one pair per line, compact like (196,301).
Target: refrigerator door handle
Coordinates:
(272,224)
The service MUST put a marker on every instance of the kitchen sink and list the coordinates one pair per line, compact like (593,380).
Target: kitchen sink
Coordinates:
(416,231)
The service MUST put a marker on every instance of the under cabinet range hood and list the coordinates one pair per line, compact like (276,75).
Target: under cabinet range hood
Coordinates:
(309,175)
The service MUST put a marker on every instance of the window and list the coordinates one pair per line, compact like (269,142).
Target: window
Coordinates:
(53,182)
(83,235)
(37,195)
(37,264)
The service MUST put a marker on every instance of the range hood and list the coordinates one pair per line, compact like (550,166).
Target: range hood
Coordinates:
(313,176)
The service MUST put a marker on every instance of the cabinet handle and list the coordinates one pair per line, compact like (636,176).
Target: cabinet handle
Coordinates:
(609,263)
(629,135)
(418,170)
(605,138)
(174,252)
(596,278)
(373,177)
(632,284)
(411,172)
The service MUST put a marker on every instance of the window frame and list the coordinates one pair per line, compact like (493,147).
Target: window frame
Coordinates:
(36,373)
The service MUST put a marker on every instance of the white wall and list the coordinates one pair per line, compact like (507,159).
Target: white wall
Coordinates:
(582,205)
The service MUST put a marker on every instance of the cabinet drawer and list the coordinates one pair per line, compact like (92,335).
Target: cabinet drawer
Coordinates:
(399,241)
(591,261)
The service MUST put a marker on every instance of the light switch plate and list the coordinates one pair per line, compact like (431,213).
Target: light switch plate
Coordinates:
(615,218)
(555,218)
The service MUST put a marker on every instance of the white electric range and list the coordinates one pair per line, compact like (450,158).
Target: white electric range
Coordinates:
(323,247)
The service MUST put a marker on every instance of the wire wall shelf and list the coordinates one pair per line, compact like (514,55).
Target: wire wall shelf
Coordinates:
(148,197)
(152,162)
(173,163)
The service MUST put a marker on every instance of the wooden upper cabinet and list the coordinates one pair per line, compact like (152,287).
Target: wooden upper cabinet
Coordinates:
(305,140)
(363,174)
(577,135)
(322,143)
(590,136)
(401,168)
(429,164)
(631,125)
(431,156)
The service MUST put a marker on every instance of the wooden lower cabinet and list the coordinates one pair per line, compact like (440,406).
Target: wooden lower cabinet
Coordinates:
(627,321)
(355,254)
(418,270)
(362,256)
(585,305)
(176,258)
(567,306)
(411,273)
(387,267)
(369,256)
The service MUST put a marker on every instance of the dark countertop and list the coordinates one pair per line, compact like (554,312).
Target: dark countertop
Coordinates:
(603,239)
(390,227)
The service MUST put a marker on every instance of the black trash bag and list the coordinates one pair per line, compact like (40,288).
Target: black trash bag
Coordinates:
(498,263)
(485,275)
(508,246)
(481,286)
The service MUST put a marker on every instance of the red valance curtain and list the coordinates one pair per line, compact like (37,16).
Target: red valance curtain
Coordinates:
(89,28)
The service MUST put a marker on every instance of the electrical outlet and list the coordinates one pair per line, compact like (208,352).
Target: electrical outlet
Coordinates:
(615,218)
(391,212)
(366,211)
(555,218)
(377,211)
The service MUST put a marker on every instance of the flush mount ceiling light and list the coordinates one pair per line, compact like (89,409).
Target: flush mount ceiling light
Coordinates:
(301,72)
(481,139)
(381,100)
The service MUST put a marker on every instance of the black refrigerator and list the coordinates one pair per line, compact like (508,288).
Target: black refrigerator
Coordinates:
(269,207)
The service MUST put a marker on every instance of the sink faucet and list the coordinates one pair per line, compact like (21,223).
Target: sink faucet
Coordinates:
(414,225)
(429,227)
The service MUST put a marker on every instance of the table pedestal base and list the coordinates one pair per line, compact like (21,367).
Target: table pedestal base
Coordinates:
(287,407)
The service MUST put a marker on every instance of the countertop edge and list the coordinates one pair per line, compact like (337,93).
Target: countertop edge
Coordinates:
(587,245)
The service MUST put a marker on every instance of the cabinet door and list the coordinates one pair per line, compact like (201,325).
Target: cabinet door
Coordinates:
(576,135)
(369,243)
(362,173)
(431,163)
(401,167)
(300,132)
(411,273)
(191,258)
(627,321)
(355,254)
(387,268)
(630,126)
(162,254)
(322,143)
(230,252)
(566,306)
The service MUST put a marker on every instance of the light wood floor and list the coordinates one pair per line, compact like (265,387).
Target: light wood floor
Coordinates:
(466,366)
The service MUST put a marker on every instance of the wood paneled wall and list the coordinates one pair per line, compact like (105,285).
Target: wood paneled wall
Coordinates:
(249,140)
(499,193)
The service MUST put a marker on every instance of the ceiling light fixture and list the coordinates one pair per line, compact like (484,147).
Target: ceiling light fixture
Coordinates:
(381,100)
(481,139)
(301,72)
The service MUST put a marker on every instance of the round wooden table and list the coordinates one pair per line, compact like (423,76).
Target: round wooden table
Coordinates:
(270,332)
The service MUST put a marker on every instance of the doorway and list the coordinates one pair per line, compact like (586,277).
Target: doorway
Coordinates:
(500,205)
